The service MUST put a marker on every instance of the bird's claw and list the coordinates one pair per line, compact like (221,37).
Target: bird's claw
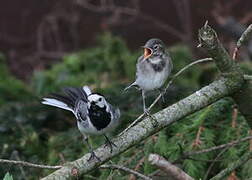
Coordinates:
(147,112)
(110,144)
(93,156)
(153,120)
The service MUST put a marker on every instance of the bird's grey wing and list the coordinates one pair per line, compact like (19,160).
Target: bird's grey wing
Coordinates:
(134,84)
(170,64)
(81,110)
(140,59)
(115,112)
(139,65)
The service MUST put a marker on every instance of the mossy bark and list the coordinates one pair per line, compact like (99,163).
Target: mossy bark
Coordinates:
(230,69)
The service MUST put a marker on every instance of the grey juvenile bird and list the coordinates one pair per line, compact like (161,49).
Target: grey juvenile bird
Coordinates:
(95,116)
(153,68)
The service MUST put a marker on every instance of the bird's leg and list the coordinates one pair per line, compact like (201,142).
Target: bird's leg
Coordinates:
(147,112)
(109,143)
(162,92)
(92,156)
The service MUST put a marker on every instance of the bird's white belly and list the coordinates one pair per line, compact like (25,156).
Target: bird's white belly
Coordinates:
(86,128)
(152,81)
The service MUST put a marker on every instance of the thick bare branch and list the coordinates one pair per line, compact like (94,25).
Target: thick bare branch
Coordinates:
(228,67)
(171,170)
(209,40)
(144,129)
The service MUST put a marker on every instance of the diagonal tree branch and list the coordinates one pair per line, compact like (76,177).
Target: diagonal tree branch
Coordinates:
(144,129)
(230,81)
(170,169)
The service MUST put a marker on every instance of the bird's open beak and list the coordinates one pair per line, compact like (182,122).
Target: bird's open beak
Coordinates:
(147,52)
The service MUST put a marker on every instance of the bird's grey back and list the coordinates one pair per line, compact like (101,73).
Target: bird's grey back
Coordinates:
(81,110)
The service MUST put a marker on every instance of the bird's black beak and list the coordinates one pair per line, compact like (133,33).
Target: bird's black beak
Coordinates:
(93,103)
(147,52)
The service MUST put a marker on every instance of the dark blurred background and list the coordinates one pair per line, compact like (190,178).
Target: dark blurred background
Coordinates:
(46,45)
(35,34)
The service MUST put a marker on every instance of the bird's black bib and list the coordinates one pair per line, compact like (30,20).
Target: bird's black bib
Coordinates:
(158,67)
(99,117)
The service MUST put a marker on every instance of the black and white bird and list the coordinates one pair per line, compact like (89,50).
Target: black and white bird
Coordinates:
(95,116)
(153,68)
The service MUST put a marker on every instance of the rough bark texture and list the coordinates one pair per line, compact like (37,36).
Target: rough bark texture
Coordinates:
(230,69)
(144,129)
(171,170)
(230,81)
(225,64)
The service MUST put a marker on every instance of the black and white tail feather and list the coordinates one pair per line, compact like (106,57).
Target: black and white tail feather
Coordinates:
(93,113)
(69,100)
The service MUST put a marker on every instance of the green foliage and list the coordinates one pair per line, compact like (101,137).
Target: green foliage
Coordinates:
(8,176)
(48,135)
(11,89)
(101,67)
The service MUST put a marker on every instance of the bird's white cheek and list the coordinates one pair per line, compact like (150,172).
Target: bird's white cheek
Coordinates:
(88,105)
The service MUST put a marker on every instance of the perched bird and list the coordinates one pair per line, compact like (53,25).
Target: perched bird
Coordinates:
(153,68)
(95,116)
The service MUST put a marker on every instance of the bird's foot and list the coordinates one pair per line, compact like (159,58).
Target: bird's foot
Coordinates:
(153,120)
(110,144)
(93,156)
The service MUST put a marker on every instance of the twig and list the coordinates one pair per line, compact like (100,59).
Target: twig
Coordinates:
(244,37)
(197,142)
(250,142)
(203,160)
(15,153)
(125,169)
(167,86)
(212,164)
(218,147)
(28,164)
(233,166)
(173,171)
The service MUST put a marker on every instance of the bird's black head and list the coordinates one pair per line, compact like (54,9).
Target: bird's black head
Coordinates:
(96,99)
(153,47)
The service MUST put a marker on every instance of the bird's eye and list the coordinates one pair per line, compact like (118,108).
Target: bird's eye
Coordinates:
(100,99)
(155,47)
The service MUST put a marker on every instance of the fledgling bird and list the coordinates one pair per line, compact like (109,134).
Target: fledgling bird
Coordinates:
(153,68)
(95,116)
